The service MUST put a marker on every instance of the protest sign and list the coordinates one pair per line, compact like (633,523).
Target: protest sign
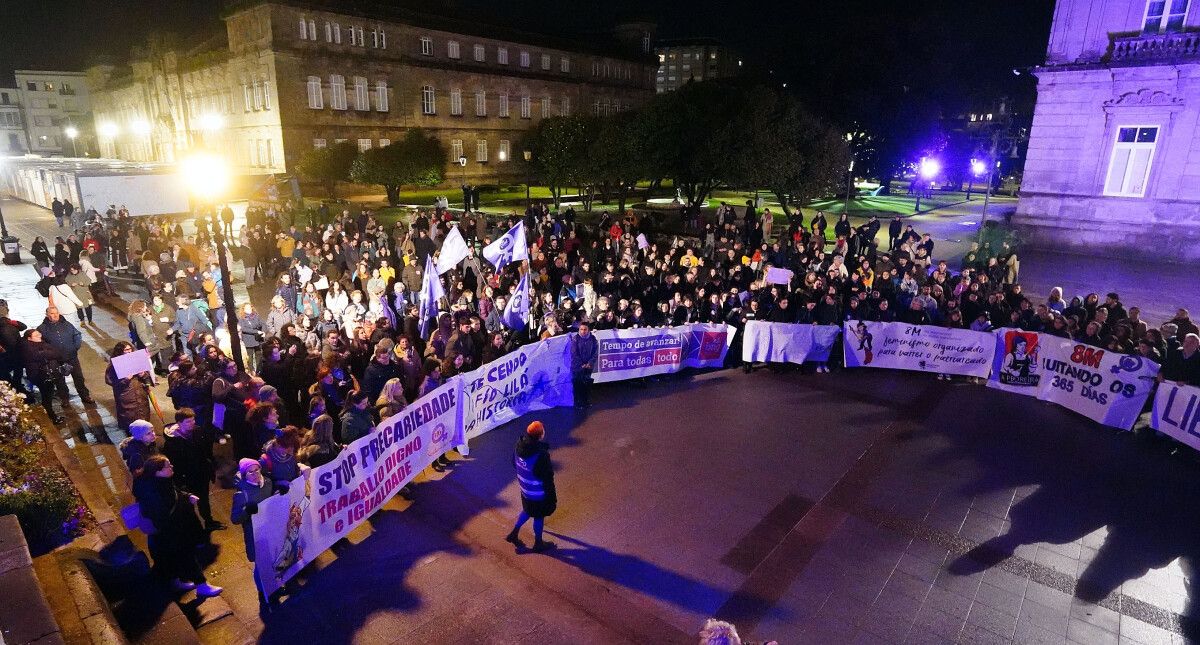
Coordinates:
(923,348)
(323,506)
(533,377)
(633,353)
(1101,385)
(786,343)
(1016,366)
(135,362)
(1177,413)
(775,275)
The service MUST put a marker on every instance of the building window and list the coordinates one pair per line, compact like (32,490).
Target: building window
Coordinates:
(303,29)
(546,61)
(266,94)
(377,38)
(480,103)
(427,46)
(452,49)
(319,143)
(258,95)
(456,149)
(545,107)
(328,32)
(566,106)
(564,65)
(524,59)
(646,42)
(364,145)
(525,107)
(428,100)
(381,96)
(31,86)
(315,99)
(383,143)
(353,35)
(480,54)
(481,150)
(1164,16)
(456,102)
(337,92)
(247,98)
(502,55)
(362,98)
(505,153)
(504,104)
(1129,166)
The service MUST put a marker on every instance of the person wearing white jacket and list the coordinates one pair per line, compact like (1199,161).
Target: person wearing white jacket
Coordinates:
(63,298)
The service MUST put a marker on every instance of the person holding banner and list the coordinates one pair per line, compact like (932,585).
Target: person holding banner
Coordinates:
(585,351)
(535,475)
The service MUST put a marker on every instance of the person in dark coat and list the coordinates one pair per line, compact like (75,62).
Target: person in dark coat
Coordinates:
(10,348)
(535,475)
(251,489)
(42,361)
(585,350)
(67,339)
(177,530)
(130,394)
(139,446)
(182,445)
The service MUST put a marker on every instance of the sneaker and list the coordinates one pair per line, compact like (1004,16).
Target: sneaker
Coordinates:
(208,591)
(182,585)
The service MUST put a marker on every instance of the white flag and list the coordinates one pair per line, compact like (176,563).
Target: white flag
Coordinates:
(509,248)
(454,249)
(642,241)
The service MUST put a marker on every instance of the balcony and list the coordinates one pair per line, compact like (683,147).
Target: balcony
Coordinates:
(1156,47)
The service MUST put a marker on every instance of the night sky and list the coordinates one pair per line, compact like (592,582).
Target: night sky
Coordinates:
(832,53)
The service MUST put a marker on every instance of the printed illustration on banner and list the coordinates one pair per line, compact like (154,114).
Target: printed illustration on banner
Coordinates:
(292,549)
(712,344)
(1020,366)
(863,344)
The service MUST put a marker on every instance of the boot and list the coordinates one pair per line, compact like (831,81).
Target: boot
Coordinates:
(541,546)
(513,538)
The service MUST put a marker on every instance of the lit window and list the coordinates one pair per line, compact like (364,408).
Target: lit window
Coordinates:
(456,149)
(481,150)
(503,104)
(427,46)
(545,61)
(505,153)
(319,143)
(502,55)
(1164,16)
(564,65)
(989,116)
(973,118)
(526,109)
(383,143)
(480,103)
(452,49)
(428,100)
(337,92)
(456,102)
(381,96)
(362,99)
(364,145)
(480,54)
(524,59)
(1129,166)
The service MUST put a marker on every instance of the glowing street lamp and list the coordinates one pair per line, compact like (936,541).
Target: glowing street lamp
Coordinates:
(926,170)
(977,170)
(209,178)
(72,132)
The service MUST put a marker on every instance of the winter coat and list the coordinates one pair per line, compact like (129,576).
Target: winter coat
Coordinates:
(584,351)
(376,375)
(147,335)
(135,452)
(63,298)
(251,327)
(81,286)
(131,395)
(355,424)
(535,475)
(190,319)
(64,336)
(41,361)
(276,319)
(193,468)
(177,527)
(245,504)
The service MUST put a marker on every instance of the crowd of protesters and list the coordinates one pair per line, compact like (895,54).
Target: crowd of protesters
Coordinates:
(343,344)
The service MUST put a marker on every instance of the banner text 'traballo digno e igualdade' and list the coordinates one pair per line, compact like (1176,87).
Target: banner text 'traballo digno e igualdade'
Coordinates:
(323,506)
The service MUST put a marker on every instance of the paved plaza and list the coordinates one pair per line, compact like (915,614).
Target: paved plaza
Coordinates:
(865,506)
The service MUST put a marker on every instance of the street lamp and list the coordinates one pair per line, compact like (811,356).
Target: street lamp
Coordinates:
(528,155)
(977,169)
(72,132)
(208,177)
(462,161)
(926,170)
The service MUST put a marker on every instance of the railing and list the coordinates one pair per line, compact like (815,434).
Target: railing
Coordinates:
(1156,47)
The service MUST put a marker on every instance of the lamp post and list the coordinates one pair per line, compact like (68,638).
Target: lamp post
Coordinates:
(208,176)
(849,186)
(926,170)
(977,168)
(462,161)
(528,155)
(72,132)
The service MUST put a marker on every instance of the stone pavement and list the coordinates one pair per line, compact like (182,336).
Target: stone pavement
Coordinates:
(870,506)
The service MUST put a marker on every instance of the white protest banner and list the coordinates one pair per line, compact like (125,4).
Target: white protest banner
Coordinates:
(1177,413)
(633,353)
(533,377)
(775,275)
(1101,385)
(1016,366)
(786,343)
(291,530)
(321,284)
(923,348)
(135,362)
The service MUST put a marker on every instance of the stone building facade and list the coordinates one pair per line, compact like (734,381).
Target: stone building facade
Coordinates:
(693,59)
(52,102)
(1113,165)
(288,78)
(13,140)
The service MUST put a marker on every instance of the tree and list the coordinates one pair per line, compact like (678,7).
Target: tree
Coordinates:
(688,137)
(329,165)
(416,160)
(618,154)
(560,152)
